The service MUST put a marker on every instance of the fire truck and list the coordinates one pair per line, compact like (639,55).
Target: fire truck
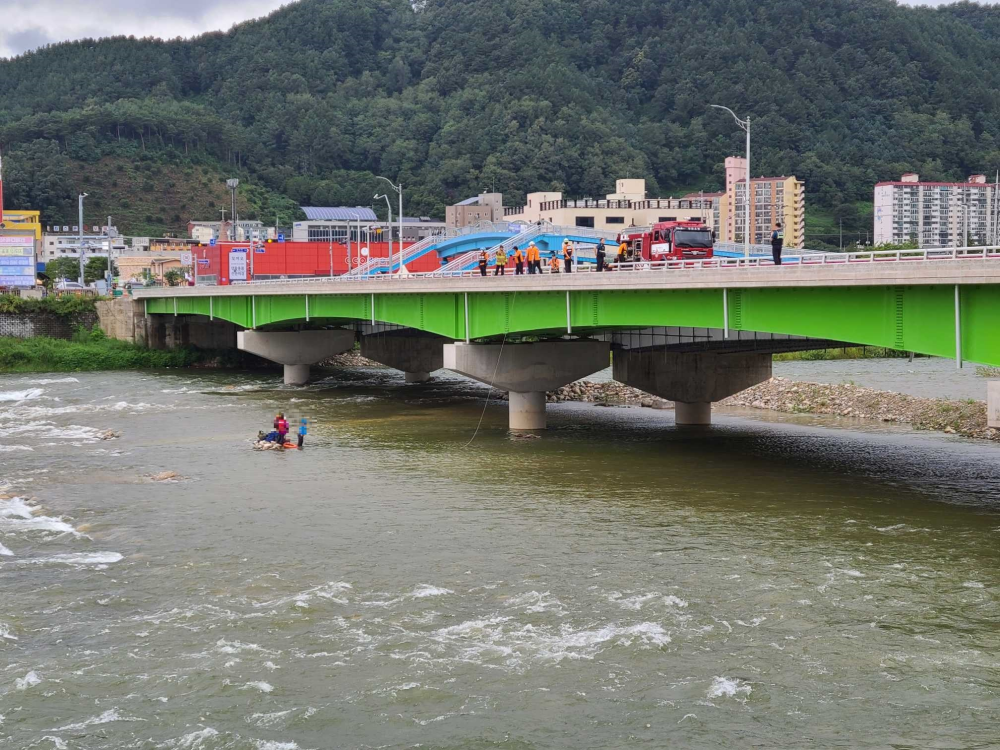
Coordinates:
(669,240)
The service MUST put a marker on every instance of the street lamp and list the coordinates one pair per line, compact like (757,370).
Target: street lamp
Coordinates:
(745,125)
(387,203)
(399,189)
(232,184)
(82,196)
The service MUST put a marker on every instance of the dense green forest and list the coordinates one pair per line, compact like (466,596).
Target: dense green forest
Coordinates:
(452,96)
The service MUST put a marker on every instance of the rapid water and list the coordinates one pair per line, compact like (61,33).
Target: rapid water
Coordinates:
(794,582)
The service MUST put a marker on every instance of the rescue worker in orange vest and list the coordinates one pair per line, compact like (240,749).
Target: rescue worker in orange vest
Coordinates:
(568,256)
(483,260)
(501,259)
(554,263)
(622,251)
(534,259)
(518,261)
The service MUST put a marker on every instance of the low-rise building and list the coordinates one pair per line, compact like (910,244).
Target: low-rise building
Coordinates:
(936,214)
(627,207)
(337,223)
(23,221)
(243,229)
(69,245)
(483,207)
(152,265)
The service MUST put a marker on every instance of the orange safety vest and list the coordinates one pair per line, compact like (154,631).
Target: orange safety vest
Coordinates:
(554,263)
(533,254)
(518,258)
(483,258)
(622,249)
(568,252)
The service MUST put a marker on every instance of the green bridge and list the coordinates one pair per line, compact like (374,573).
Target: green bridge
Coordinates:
(687,335)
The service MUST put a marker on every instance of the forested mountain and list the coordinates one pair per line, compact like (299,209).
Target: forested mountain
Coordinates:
(452,96)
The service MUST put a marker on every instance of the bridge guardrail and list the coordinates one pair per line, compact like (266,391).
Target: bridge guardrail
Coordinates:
(926,255)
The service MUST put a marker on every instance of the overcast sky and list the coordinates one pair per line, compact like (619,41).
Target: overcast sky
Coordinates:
(28,24)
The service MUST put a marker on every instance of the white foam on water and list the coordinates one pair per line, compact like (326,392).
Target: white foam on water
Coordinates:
(12,448)
(5,635)
(107,717)
(78,558)
(52,431)
(4,552)
(425,589)
(674,601)
(973,585)
(28,395)
(29,680)
(886,529)
(726,687)
(329,591)
(238,647)
(273,745)
(264,687)
(851,573)
(52,381)
(533,601)
(635,602)
(268,720)
(192,741)
(57,743)
(16,507)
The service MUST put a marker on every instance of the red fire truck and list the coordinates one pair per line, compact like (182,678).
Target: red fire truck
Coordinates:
(670,240)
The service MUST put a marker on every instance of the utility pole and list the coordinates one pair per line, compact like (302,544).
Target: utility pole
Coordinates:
(841,235)
(111,267)
(399,189)
(232,184)
(81,197)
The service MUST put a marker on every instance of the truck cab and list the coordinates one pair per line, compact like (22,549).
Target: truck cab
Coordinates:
(678,240)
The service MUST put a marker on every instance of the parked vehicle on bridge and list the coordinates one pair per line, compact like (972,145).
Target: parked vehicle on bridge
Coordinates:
(670,240)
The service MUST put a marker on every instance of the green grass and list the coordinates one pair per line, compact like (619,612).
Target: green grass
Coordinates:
(89,351)
(851,352)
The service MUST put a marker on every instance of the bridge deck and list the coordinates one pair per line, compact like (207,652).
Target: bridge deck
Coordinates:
(862,274)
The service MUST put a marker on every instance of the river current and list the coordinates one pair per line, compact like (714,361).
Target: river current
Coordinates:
(405,581)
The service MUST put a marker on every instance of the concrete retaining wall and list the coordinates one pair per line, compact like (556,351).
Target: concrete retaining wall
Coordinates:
(125,319)
(28,325)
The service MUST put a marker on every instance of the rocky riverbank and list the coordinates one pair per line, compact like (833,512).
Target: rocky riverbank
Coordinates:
(966,418)
(352,358)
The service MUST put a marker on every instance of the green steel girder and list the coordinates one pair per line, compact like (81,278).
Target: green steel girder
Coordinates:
(908,318)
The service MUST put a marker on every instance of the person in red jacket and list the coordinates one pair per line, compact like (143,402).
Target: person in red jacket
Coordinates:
(281,425)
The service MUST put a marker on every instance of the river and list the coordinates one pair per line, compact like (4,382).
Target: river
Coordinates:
(407,582)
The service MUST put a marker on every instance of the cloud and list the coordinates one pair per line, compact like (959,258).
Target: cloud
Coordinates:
(29,24)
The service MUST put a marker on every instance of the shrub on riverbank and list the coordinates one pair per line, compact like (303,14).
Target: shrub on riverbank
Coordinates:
(89,350)
(849,352)
(66,305)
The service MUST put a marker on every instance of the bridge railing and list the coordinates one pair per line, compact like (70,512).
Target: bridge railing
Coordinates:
(925,255)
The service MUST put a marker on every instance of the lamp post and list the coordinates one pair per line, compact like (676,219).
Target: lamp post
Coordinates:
(81,197)
(389,205)
(357,219)
(232,184)
(399,189)
(745,125)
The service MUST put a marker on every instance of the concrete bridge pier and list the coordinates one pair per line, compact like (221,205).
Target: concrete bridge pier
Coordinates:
(527,371)
(692,380)
(296,350)
(416,355)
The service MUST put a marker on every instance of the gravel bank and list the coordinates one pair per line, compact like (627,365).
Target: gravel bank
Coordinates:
(966,418)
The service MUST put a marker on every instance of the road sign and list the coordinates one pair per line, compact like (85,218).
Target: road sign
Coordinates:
(202,261)
(281,237)
(211,242)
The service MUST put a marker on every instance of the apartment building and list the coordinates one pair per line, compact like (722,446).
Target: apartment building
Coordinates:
(774,199)
(936,214)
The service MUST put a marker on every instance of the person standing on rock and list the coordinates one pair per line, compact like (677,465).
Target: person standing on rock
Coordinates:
(281,425)
(777,243)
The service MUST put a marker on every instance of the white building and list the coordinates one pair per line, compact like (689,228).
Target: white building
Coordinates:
(936,214)
(68,246)
(326,224)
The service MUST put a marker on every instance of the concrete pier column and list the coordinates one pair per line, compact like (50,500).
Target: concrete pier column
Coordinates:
(693,380)
(527,410)
(296,350)
(296,374)
(993,404)
(699,413)
(416,354)
(527,371)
